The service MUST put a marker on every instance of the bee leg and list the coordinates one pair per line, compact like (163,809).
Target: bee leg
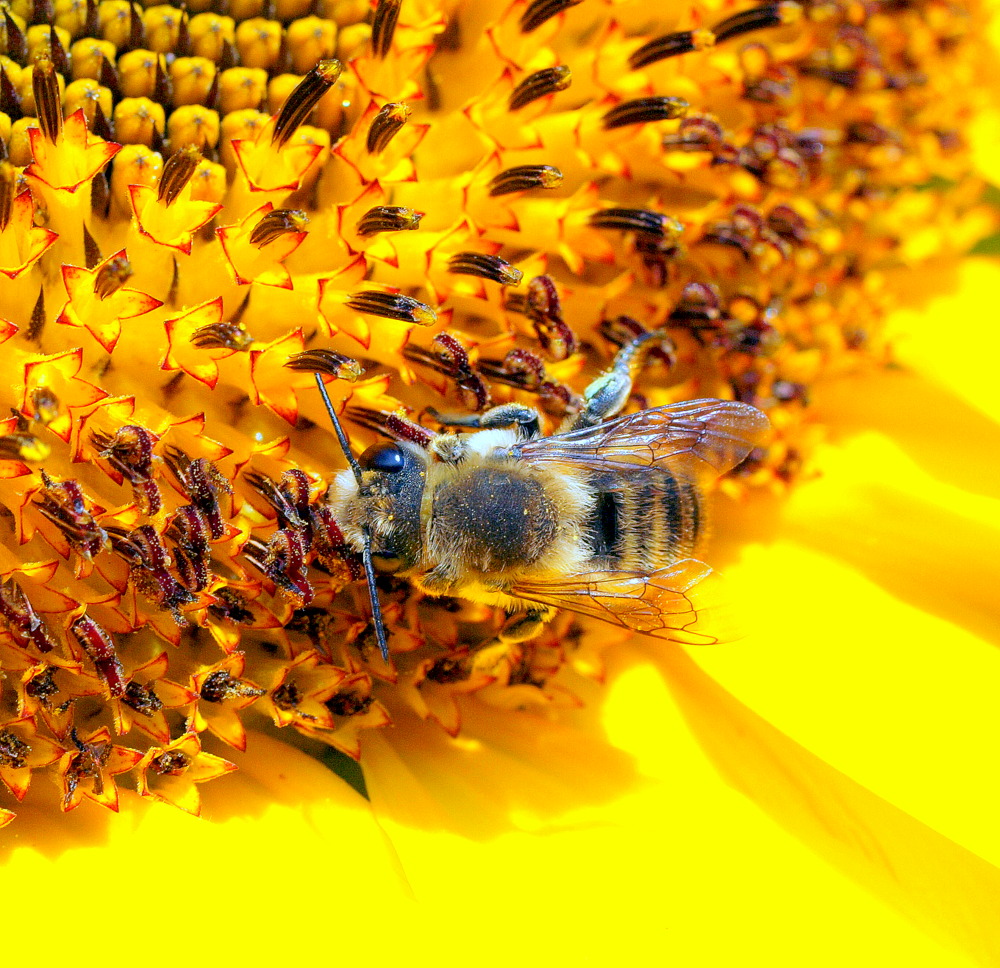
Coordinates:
(610,391)
(517,415)
(522,626)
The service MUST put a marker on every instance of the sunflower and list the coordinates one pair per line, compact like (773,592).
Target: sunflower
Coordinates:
(449,205)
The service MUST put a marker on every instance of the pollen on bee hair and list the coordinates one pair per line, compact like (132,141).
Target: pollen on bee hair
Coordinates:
(522,178)
(636,220)
(486,267)
(538,11)
(644,109)
(392,305)
(386,124)
(670,45)
(304,98)
(540,84)
(177,172)
(388,218)
(276,223)
(384,25)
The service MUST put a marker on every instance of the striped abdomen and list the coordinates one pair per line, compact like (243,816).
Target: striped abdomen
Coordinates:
(642,521)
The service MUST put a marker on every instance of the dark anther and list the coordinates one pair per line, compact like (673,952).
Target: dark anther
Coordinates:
(189,531)
(636,220)
(10,100)
(136,30)
(551,80)
(23,623)
(695,133)
(392,305)
(222,336)
(149,558)
(350,702)
(44,405)
(304,98)
(522,178)
(60,59)
(447,670)
(333,364)
(24,446)
(220,686)
(202,482)
(16,46)
(287,502)
(287,696)
(644,109)
(283,560)
(486,267)
(91,250)
(538,11)
(42,12)
(545,311)
(48,104)
(62,504)
(519,368)
(388,218)
(452,361)
(8,191)
(178,170)
(384,25)
(130,452)
(100,649)
(112,276)
(278,222)
(14,751)
(766,15)
(670,45)
(170,763)
(385,125)
(699,306)
(142,699)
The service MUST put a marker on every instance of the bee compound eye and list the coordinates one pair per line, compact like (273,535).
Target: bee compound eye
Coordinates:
(386,457)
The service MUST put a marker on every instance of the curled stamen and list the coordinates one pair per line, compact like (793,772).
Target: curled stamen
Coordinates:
(289,514)
(519,368)
(142,699)
(385,125)
(112,276)
(388,218)
(304,98)
(766,15)
(22,620)
(636,220)
(177,172)
(333,364)
(202,482)
(538,11)
(223,336)
(384,25)
(486,267)
(48,104)
(100,649)
(521,178)
(644,109)
(190,531)
(392,305)
(545,311)
(62,503)
(390,424)
(670,45)
(452,361)
(130,452)
(277,223)
(551,80)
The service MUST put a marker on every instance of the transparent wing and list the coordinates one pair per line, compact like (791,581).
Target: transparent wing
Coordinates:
(701,439)
(662,603)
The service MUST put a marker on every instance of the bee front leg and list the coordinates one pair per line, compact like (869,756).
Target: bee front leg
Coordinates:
(610,391)
(517,415)
(522,626)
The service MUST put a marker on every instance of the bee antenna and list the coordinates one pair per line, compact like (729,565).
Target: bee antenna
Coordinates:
(366,550)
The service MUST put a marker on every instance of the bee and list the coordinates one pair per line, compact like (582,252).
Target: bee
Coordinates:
(605,518)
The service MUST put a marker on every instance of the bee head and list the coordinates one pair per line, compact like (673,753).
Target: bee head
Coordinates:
(386,503)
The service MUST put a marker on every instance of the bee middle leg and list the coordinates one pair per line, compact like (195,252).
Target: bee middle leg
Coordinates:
(517,415)
(610,391)
(522,626)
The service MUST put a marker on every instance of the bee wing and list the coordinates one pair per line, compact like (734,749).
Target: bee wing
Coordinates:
(700,439)
(659,603)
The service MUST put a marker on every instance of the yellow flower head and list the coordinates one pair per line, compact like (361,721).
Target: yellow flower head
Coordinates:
(441,205)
